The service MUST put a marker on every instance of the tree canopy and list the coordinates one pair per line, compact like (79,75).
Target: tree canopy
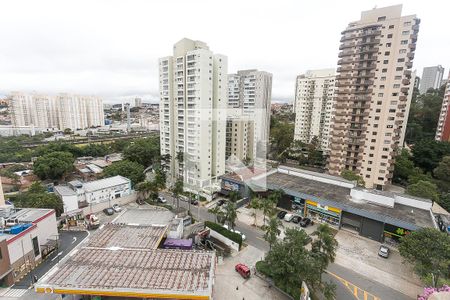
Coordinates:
(53,165)
(424,189)
(129,169)
(352,176)
(143,151)
(429,250)
(38,197)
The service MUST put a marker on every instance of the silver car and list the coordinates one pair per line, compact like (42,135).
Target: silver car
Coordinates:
(384,251)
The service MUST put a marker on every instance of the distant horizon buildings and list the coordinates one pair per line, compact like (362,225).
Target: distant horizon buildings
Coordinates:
(248,115)
(313,106)
(431,78)
(59,111)
(443,126)
(373,96)
(193,91)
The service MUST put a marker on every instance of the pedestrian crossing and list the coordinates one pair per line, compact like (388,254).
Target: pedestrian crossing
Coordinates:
(357,292)
(12,293)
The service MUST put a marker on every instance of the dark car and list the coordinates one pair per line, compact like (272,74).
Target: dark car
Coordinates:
(296,219)
(108,211)
(220,202)
(305,222)
(281,214)
(194,202)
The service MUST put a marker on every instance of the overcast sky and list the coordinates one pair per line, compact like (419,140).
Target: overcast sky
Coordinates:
(111,48)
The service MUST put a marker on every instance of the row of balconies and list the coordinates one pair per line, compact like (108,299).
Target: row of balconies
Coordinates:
(346,45)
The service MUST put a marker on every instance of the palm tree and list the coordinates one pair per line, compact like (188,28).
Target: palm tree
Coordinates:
(268,208)
(177,189)
(217,212)
(233,196)
(272,231)
(144,188)
(230,214)
(324,245)
(255,204)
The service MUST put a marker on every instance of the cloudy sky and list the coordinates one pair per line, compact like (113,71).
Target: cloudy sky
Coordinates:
(111,48)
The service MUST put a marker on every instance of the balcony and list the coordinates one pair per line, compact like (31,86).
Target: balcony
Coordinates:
(400,114)
(408,65)
(366,75)
(363,91)
(370,42)
(345,61)
(345,53)
(410,55)
(404,90)
(346,45)
(415,27)
(348,37)
(412,47)
(402,98)
(406,82)
(365,67)
(407,73)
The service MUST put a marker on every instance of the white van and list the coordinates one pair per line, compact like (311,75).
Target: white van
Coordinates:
(288,217)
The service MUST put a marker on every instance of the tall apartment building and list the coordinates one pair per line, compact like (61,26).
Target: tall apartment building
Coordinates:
(443,127)
(431,78)
(193,91)
(249,103)
(56,112)
(374,90)
(314,98)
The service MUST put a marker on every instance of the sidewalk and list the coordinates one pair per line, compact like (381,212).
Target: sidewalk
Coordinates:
(361,255)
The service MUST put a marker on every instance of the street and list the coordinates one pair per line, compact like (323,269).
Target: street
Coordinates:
(68,241)
(350,284)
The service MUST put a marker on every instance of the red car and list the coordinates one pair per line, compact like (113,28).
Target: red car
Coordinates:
(243,270)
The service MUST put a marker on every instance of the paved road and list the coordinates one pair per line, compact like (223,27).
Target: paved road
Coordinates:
(68,240)
(346,280)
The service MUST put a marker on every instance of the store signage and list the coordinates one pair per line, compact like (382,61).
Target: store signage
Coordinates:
(230,186)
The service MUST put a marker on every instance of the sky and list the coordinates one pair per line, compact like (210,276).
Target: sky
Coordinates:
(111,48)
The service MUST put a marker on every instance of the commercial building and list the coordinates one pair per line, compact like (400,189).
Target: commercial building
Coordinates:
(56,112)
(124,261)
(78,194)
(193,91)
(443,126)
(431,78)
(373,96)
(26,237)
(313,106)
(249,103)
(378,215)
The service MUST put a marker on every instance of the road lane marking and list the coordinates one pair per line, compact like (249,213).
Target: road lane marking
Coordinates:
(354,289)
(57,255)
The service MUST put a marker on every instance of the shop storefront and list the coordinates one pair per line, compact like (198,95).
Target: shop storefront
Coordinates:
(323,213)
(392,234)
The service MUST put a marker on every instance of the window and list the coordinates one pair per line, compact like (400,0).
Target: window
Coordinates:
(385,149)
(383,78)
(378,110)
(408,23)
(381,87)
(380,178)
(389,36)
(383,18)
(398,77)
(396,86)
(404,42)
(405,32)
(36,246)
(400,60)
(379,102)
(383,70)
(380,94)
(399,69)
(402,51)
(387,53)
(391,26)
(388,45)
(392,110)
(385,61)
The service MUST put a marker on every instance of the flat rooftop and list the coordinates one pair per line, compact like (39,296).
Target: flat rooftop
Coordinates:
(30,215)
(64,190)
(127,236)
(340,197)
(145,216)
(105,183)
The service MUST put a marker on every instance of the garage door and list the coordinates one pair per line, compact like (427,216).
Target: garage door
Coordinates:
(372,229)
(351,220)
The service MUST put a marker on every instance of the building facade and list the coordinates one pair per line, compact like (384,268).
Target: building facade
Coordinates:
(314,98)
(56,112)
(249,107)
(443,126)
(374,90)
(193,91)
(431,78)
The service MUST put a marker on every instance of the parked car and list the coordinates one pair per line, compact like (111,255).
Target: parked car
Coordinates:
(296,219)
(108,211)
(194,202)
(281,214)
(117,208)
(305,222)
(236,231)
(384,251)
(243,270)
(220,202)
(288,217)
(161,199)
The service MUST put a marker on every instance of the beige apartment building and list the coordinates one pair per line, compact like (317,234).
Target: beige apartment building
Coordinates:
(56,112)
(193,91)
(248,115)
(374,89)
(313,106)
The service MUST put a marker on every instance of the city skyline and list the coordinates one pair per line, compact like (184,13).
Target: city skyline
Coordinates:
(108,61)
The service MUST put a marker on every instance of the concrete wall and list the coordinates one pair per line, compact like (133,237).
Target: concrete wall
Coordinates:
(413,202)
(371,197)
(316,177)
(225,240)
(98,207)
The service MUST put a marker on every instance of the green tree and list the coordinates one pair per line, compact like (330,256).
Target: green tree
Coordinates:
(53,165)
(95,150)
(350,175)
(68,131)
(38,197)
(442,171)
(233,196)
(427,154)
(143,151)
(255,204)
(404,167)
(324,246)
(145,189)
(218,213)
(272,230)
(281,136)
(129,169)
(177,190)
(58,147)
(230,213)
(428,249)
(424,189)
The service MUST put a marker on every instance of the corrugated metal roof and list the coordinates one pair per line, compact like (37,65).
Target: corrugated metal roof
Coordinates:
(105,183)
